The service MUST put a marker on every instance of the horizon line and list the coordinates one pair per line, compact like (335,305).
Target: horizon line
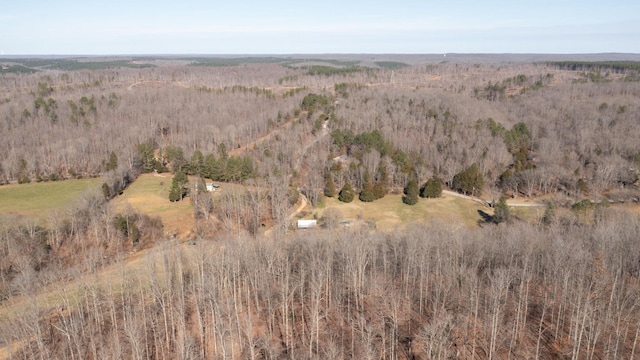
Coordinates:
(316,54)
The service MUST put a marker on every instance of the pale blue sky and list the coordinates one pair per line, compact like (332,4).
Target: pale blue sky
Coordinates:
(38,27)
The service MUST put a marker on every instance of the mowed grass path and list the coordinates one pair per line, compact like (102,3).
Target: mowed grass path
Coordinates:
(39,199)
(149,194)
(390,212)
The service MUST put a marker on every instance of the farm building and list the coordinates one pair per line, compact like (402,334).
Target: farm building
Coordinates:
(307,224)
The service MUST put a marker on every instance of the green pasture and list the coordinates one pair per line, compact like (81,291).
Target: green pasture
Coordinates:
(40,199)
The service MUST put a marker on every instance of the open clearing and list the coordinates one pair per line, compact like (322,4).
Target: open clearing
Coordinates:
(390,212)
(149,194)
(39,199)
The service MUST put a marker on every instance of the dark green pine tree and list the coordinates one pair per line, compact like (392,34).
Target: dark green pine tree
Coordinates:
(246,168)
(207,167)
(346,193)
(469,181)
(411,192)
(179,187)
(381,186)
(196,164)
(432,188)
(501,211)
(367,194)
(147,161)
(329,185)
(218,169)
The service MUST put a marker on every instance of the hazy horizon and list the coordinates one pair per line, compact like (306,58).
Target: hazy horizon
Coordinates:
(70,27)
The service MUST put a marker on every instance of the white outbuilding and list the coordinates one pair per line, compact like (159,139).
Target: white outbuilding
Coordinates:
(307,224)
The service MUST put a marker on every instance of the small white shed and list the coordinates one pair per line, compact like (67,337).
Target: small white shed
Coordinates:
(307,224)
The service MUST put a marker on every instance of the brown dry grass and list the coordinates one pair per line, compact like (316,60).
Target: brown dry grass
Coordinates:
(149,194)
(389,212)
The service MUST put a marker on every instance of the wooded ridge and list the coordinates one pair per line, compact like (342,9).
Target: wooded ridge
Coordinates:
(284,136)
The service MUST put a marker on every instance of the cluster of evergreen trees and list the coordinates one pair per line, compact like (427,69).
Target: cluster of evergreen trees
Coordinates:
(431,189)
(222,168)
(358,144)
(377,186)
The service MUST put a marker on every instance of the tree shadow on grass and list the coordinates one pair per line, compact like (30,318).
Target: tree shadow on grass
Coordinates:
(485,218)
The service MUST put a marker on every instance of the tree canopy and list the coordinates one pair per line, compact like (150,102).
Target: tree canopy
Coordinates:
(411,192)
(431,189)
(469,181)
(346,193)
(179,187)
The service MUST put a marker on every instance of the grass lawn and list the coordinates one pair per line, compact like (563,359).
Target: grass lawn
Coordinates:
(149,194)
(529,214)
(39,199)
(389,212)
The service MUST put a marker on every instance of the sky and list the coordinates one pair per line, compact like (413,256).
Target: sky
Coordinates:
(117,27)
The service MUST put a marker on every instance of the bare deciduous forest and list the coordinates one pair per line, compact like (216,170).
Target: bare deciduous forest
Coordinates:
(294,131)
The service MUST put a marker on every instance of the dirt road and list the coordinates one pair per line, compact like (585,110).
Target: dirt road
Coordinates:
(484,202)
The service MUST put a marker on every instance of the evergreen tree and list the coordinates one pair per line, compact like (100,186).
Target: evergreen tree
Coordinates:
(106,191)
(233,169)
(469,181)
(411,192)
(222,151)
(293,194)
(175,156)
(501,211)
(196,165)
(220,170)
(146,161)
(431,189)
(179,187)
(379,190)
(246,168)
(381,186)
(346,193)
(208,166)
(113,162)
(549,215)
(329,185)
(367,194)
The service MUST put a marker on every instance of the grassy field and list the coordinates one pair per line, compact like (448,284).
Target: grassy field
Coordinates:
(149,194)
(39,199)
(389,212)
